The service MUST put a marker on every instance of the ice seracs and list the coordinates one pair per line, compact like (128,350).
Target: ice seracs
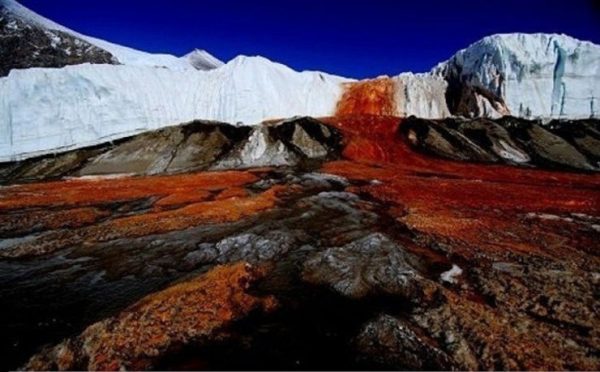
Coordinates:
(535,75)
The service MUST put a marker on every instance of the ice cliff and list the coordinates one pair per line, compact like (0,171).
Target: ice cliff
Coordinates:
(45,110)
(535,75)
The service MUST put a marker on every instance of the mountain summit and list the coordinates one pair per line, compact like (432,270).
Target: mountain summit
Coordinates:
(22,24)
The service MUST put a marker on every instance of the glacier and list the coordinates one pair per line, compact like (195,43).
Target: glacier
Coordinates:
(46,110)
(536,75)
(421,95)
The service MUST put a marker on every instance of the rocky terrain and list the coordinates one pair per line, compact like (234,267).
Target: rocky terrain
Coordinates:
(190,147)
(559,144)
(371,252)
(181,213)
(306,142)
(24,46)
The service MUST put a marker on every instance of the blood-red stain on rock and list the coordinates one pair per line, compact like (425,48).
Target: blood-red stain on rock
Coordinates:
(191,311)
(374,97)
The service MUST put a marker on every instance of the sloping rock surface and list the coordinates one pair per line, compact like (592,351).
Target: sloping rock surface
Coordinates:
(189,147)
(559,144)
(24,45)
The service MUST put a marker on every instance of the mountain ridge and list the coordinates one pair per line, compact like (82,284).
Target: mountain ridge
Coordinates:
(124,54)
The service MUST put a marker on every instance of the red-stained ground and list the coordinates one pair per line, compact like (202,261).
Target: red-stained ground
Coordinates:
(176,189)
(495,208)
(544,223)
(135,338)
(105,209)
(492,207)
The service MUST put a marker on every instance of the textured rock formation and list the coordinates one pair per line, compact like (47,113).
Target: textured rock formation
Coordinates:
(193,146)
(369,266)
(192,311)
(392,343)
(247,247)
(509,140)
(24,45)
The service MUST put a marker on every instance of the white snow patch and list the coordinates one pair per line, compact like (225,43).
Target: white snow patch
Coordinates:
(101,177)
(451,275)
(55,40)
(510,153)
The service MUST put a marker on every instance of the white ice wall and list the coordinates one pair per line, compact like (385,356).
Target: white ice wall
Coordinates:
(47,110)
(537,75)
(422,95)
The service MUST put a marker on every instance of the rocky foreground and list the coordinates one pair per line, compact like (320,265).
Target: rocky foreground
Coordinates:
(351,242)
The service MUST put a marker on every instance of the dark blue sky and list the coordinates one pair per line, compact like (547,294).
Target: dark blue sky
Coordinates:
(347,37)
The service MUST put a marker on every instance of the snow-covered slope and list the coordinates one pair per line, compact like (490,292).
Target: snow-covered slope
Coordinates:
(125,55)
(202,60)
(537,75)
(45,110)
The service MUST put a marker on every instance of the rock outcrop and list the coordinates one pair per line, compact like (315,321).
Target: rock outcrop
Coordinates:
(24,45)
(559,144)
(308,142)
(189,147)
(369,266)
(70,47)
(192,311)
(389,342)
